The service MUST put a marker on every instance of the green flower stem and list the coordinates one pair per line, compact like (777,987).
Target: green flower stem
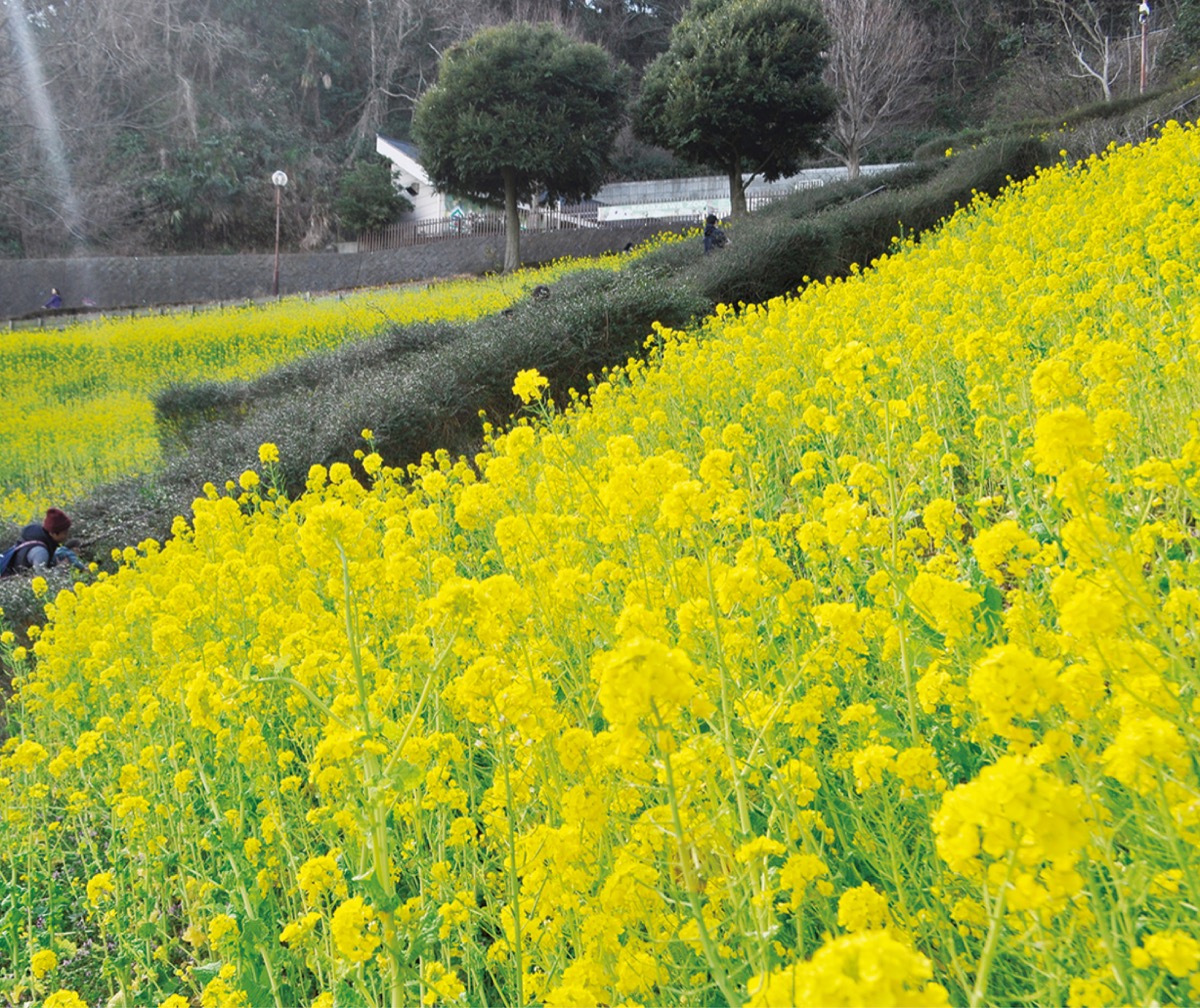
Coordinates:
(690,882)
(726,716)
(898,598)
(378,838)
(514,891)
(995,926)
(264,951)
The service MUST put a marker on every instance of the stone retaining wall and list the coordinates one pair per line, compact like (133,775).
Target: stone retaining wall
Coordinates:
(140,281)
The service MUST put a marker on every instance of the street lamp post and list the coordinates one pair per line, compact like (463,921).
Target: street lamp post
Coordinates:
(1143,17)
(279,179)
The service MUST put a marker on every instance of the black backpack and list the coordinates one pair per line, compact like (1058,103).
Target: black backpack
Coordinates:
(6,558)
(719,238)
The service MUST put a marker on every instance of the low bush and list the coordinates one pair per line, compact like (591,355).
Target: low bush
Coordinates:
(422,387)
(824,233)
(184,411)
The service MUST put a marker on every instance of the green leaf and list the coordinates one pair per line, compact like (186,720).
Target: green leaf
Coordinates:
(404,776)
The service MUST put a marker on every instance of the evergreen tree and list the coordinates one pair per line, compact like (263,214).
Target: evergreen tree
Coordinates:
(740,89)
(516,111)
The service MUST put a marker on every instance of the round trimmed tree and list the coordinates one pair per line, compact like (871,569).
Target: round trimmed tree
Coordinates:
(740,88)
(516,111)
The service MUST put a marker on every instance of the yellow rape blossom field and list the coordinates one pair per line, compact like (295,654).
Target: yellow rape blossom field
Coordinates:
(77,409)
(843,654)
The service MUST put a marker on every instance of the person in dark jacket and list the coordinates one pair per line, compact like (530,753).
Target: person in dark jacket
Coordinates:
(714,236)
(55,299)
(39,546)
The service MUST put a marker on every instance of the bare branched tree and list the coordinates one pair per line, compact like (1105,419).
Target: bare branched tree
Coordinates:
(103,74)
(404,40)
(877,65)
(1088,27)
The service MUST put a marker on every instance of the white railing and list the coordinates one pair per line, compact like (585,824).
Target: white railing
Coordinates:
(407,233)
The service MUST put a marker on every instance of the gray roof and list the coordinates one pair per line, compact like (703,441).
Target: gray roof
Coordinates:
(412,150)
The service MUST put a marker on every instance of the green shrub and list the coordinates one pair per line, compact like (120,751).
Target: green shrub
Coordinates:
(762,262)
(866,228)
(422,387)
(367,197)
(821,233)
(185,413)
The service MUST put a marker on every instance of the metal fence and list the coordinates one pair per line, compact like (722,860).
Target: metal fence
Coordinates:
(465,225)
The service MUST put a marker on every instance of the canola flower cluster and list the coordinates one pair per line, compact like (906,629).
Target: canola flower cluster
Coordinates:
(78,411)
(844,654)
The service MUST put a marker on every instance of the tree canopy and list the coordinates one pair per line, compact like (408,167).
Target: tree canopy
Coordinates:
(740,88)
(519,110)
(136,126)
(148,94)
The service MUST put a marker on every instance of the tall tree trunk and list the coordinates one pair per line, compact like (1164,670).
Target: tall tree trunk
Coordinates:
(853,166)
(372,108)
(737,189)
(512,222)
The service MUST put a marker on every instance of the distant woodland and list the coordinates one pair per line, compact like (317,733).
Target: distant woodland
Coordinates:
(138,126)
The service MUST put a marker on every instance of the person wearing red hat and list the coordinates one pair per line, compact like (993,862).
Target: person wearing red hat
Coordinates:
(39,543)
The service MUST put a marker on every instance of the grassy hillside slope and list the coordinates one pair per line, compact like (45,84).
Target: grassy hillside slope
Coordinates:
(842,654)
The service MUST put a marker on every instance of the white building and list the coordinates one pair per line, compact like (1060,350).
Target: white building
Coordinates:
(410,178)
